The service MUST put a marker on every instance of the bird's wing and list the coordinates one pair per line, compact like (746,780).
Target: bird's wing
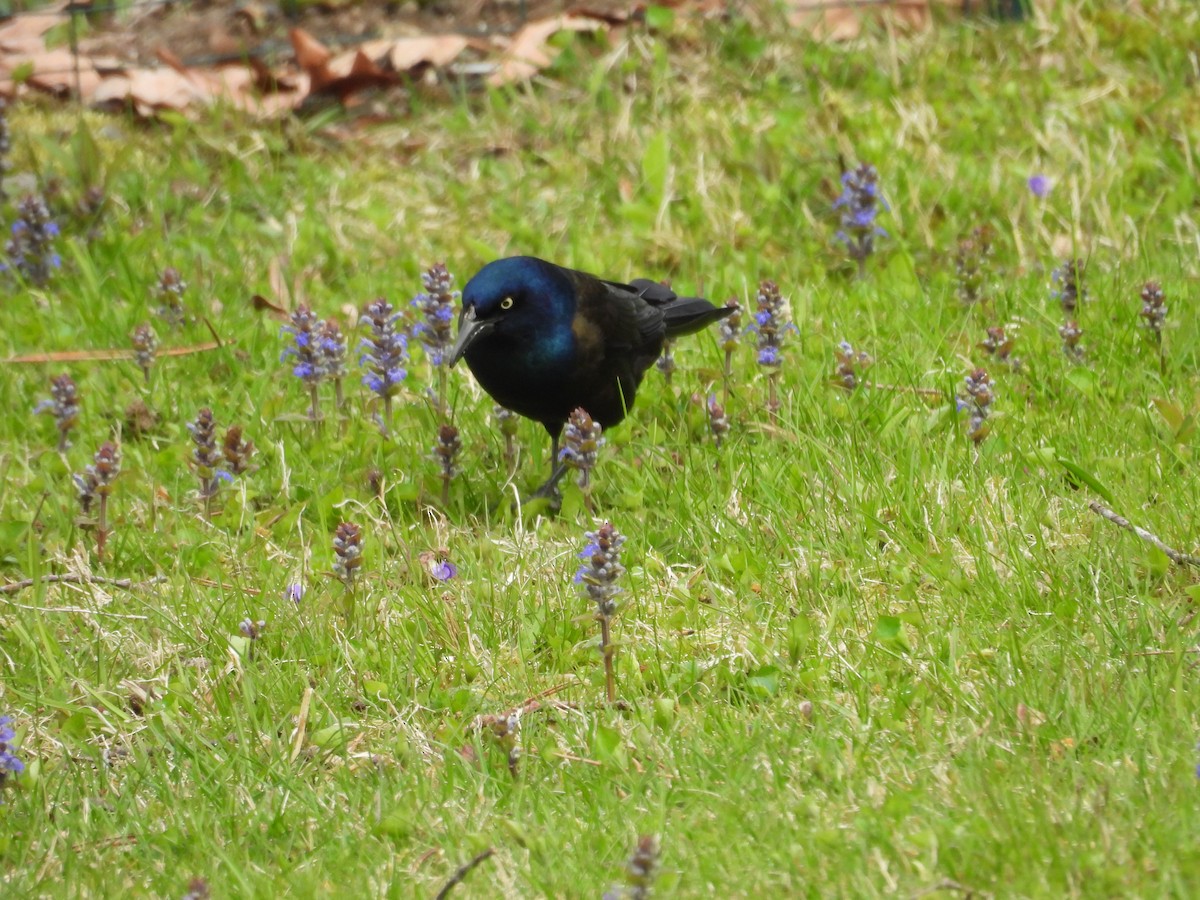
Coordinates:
(617,317)
(651,291)
(635,323)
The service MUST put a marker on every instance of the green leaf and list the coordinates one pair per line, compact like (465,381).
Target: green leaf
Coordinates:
(1084,380)
(375,689)
(77,725)
(664,712)
(1171,412)
(1082,476)
(799,637)
(330,736)
(764,681)
(1159,563)
(397,825)
(659,18)
(1042,456)
(887,628)
(607,745)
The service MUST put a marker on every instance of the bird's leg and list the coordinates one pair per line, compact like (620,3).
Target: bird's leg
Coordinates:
(557,470)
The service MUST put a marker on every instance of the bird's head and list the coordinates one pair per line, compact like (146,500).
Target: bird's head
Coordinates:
(521,296)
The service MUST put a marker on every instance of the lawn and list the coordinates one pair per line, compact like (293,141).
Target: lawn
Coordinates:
(870,643)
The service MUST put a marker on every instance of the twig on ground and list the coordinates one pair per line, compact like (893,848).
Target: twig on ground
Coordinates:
(107,355)
(463,871)
(1176,556)
(932,393)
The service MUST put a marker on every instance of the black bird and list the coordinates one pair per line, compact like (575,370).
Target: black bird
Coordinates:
(544,340)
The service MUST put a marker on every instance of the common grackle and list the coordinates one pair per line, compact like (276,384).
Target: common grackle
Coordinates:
(544,340)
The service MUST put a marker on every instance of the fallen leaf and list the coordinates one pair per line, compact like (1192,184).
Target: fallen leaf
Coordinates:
(55,70)
(166,56)
(435,50)
(529,53)
(311,55)
(832,20)
(26,29)
(265,80)
(362,73)
(151,90)
(260,303)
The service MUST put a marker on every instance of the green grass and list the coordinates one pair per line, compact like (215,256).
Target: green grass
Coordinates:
(1001,686)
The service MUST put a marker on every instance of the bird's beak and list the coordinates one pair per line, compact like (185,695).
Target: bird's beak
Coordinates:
(470,330)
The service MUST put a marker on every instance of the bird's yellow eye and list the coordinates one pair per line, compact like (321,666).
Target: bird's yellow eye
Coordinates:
(506,303)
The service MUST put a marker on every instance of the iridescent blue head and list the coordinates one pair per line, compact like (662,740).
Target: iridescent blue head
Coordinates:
(519,302)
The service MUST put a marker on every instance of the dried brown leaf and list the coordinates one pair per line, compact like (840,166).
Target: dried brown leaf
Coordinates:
(311,55)
(151,90)
(529,52)
(27,30)
(262,304)
(168,58)
(832,20)
(350,73)
(436,50)
(54,71)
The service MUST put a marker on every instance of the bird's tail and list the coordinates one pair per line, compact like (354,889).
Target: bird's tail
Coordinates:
(687,315)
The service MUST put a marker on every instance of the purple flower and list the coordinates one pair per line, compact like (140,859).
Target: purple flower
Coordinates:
(169,293)
(1154,307)
(1070,290)
(347,552)
(860,204)
(305,349)
(506,421)
(445,454)
(30,250)
(294,592)
(718,421)
(145,347)
(730,328)
(850,363)
(1039,185)
(436,306)
(250,629)
(237,452)
(980,394)
(385,353)
(9,763)
(770,323)
(205,457)
(582,440)
(971,264)
(602,568)
(64,406)
(331,345)
(444,570)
